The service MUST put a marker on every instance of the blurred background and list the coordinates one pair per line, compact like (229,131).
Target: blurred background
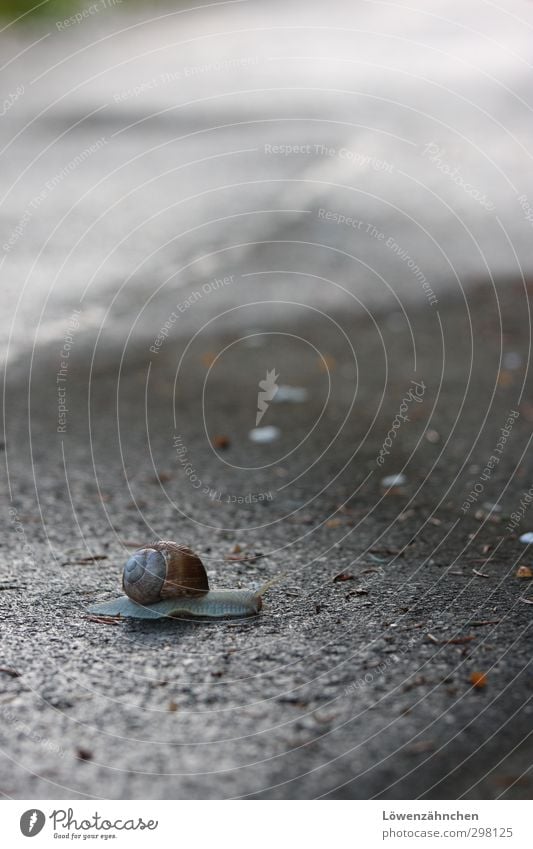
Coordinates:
(194,196)
(145,151)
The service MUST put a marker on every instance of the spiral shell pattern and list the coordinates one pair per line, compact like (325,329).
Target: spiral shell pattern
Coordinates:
(164,570)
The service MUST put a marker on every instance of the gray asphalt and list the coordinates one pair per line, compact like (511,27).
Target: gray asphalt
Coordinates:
(352,688)
(132,351)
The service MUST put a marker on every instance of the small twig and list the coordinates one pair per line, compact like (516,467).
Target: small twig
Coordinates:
(244,558)
(104,620)
(9,671)
(82,561)
(91,558)
(458,641)
(480,574)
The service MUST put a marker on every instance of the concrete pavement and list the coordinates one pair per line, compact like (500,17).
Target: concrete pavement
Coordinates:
(339,194)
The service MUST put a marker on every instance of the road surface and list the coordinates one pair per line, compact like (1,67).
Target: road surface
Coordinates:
(339,193)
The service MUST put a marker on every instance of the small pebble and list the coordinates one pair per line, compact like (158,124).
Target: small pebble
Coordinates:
(256,339)
(492,508)
(527,539)
(263,435)
(393,480)
(512,360)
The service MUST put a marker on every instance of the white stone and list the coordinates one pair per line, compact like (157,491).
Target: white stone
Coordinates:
(394,480)
(527,539)
(262,435)
(291,394)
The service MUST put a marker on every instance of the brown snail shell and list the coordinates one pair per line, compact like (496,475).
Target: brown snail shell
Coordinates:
(164,570)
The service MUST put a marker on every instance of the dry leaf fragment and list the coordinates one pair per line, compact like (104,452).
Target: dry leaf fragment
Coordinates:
(343,576)
(245,557)
(524,572)
(526,410)
(478,680)
(333,523)
(420,747)
(162,477)
(221,442)
(208,358)
(505,378)
(326,363)
(91,559)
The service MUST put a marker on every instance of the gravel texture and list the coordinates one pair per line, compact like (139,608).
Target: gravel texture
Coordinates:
(350,686)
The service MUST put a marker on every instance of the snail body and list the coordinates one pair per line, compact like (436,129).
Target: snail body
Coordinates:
(165,579)
(216,604)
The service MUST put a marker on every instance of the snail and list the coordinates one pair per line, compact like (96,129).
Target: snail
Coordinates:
(166,579)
